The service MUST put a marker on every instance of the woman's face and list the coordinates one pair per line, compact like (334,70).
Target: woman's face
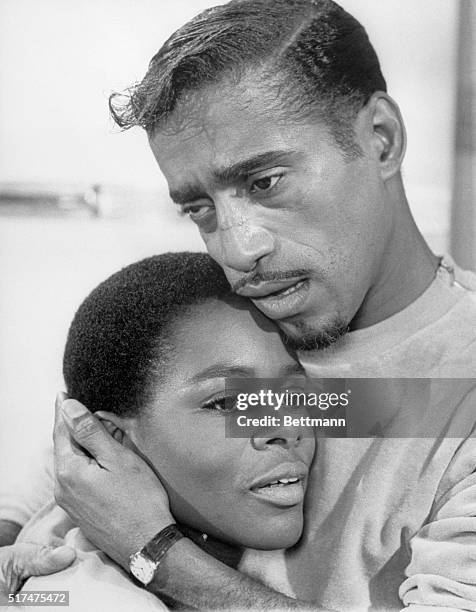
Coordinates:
(215,484)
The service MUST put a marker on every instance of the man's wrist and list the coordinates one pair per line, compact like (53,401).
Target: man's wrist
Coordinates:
(138,537)
(144,563)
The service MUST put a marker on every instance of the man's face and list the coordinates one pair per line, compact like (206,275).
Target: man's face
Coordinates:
(295,225)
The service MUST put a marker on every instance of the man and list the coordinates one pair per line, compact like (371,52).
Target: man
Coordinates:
(271,123)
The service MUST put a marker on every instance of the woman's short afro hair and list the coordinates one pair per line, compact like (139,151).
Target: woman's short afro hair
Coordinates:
(119,342)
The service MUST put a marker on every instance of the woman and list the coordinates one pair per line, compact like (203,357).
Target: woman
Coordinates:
(147,352)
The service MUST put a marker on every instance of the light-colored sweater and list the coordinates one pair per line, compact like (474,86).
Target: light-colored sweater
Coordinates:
(392,522)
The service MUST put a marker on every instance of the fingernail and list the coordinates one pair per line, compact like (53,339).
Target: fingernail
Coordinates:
(73,409)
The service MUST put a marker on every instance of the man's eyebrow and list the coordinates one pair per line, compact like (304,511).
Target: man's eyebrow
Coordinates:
(239,169)
(221,370)
(230,174)
(188,193)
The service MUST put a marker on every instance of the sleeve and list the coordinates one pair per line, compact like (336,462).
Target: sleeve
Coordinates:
(441,575)
(95,583)
(27,496)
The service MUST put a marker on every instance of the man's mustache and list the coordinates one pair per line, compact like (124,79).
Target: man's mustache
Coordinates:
(259,277)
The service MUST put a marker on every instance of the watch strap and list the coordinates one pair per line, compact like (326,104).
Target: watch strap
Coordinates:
(226,553)
(158,546)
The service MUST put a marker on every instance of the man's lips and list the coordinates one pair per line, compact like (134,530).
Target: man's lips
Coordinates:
(264,289)
(279,299)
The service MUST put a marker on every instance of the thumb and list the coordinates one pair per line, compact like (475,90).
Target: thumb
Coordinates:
(20,561)
(42,560)
(88,431)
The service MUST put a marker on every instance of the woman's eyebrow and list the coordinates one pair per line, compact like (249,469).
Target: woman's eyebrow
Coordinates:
(222,370)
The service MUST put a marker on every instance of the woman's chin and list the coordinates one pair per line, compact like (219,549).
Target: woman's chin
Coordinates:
(274,535)
(259,530)
(278,542)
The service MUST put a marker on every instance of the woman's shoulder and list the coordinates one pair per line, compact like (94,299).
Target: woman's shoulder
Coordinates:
(93,582)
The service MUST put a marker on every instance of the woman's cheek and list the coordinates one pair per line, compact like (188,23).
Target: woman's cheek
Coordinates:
(202,494)
(200,468)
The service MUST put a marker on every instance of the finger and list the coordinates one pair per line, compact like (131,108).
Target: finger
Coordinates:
(60,397)
(69,458)
(64,452)
(42,560)
(89,432)
(60,437)
(59,428)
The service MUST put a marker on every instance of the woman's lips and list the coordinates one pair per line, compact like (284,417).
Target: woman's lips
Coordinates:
(283,494)
(284,485)
(284,303)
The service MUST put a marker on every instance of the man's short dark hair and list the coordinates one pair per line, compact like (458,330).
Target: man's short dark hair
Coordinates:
(119,343)
(316,55)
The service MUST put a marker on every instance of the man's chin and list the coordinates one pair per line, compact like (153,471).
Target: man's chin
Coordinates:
(301,336)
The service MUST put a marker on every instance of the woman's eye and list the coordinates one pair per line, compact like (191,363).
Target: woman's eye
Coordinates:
(223,405)
(264,184)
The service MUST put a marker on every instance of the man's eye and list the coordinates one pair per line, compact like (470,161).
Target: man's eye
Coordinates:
(264,184)
(197,212)
(222,405)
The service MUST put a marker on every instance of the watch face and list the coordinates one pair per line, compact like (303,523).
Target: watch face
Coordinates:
(142,568)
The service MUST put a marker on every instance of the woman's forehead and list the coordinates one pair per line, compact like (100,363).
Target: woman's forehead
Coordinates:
(230,332)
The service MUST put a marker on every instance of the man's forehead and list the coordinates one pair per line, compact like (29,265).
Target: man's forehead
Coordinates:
(226,107)
(224,131)
(210,106)
(224,142)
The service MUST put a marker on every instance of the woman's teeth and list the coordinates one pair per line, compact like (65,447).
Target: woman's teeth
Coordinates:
(282,492)
(282,481)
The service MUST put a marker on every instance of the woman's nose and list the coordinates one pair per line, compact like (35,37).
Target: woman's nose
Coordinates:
(287,437)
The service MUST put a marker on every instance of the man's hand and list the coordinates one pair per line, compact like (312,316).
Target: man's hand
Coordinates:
(20,561)
(119,503)
(108,490)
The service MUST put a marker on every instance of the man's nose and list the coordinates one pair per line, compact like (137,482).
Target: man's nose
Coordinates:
(242,245)
(287,437)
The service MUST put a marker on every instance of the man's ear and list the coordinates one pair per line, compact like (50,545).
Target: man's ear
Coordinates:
(389,138)
(114,424)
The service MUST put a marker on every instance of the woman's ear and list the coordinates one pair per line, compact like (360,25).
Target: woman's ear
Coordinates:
(115,425)
(123,430)
(388,133)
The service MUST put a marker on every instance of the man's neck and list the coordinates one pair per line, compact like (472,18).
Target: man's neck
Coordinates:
(407,269)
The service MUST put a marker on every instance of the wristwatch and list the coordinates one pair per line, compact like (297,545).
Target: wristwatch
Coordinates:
(144,563)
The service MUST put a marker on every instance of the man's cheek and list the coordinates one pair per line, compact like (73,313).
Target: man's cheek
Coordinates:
(213,245)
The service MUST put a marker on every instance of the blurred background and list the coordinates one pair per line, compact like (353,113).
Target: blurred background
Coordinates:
(79,199)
